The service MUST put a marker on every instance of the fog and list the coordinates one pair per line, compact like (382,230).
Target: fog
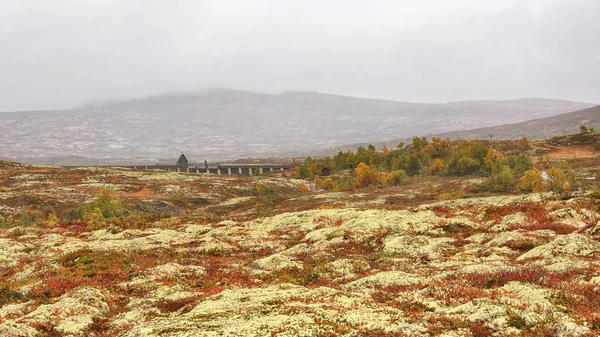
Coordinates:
(58,54)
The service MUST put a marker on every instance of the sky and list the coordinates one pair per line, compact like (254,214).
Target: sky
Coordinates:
(64,53)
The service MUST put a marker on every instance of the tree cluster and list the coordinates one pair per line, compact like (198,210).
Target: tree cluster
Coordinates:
(438,157)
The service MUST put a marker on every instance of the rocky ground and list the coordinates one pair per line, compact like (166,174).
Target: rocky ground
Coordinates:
(387,262)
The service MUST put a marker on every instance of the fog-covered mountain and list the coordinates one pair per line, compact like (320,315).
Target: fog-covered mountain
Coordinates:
(221,124)
(541,128)
(535,129)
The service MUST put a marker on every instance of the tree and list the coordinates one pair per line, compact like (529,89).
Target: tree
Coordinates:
(492,159)
(583,129)
(365,176)
(303,187)
(437,166)
(467,165)
(523,143)
(414,165)
(419,143)
(395,177)
(556,180)
(52,219)
(502,179)
(104,206)
(533,181)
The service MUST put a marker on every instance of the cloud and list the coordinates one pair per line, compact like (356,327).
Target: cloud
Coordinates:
(63,53)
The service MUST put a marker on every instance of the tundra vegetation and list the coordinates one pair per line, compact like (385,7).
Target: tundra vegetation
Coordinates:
(434,239)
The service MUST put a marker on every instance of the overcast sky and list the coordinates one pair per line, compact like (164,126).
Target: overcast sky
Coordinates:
(62,53)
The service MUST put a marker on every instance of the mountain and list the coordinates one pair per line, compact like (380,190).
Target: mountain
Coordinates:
(221,124)
(541,128)
(563,124)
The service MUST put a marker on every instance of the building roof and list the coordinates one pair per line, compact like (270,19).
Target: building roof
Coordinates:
(182,160)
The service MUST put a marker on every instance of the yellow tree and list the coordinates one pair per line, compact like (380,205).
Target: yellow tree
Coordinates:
(365,176)
(492,159)
(533,181)
(437,166)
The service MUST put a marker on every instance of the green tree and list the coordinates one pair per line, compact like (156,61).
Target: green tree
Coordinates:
(104,205)
(419,143)
(414,165)
(502,179)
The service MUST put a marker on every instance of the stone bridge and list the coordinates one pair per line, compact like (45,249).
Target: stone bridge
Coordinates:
(243,169)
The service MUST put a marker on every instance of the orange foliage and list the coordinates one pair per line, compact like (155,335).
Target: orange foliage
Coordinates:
(365,176)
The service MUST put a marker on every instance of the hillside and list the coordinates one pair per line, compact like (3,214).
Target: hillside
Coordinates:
(224,124)
(535,129)
(540,128)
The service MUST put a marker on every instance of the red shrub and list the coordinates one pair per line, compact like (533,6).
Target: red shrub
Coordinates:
(325,221)
(56,286)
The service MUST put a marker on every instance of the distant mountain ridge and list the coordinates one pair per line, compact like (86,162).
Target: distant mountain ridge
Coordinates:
(227,124)
(535,129)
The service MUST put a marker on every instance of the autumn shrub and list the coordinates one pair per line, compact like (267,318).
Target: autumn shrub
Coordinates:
(47,329)
(430,187)
(264,199)
(303,187)
(99,266)
(325,221)
(532,181)
(324,183)
(8,295)
(173,305)
(522,245)
(437,166)
(101,211)
(518,163)
(365,176)
(74,227)
(457,229)
(515,320)
(301,171)
(395,178)
(343,184)
(263,194)
(51,217)
(568,165)
(308,274)
(465,165)
(561,182)
(7,222)
(26,217)
(109,207)
(456,194)
(56,286)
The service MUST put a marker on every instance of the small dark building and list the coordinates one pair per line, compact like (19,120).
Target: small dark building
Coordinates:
(182,163)
(325,171)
